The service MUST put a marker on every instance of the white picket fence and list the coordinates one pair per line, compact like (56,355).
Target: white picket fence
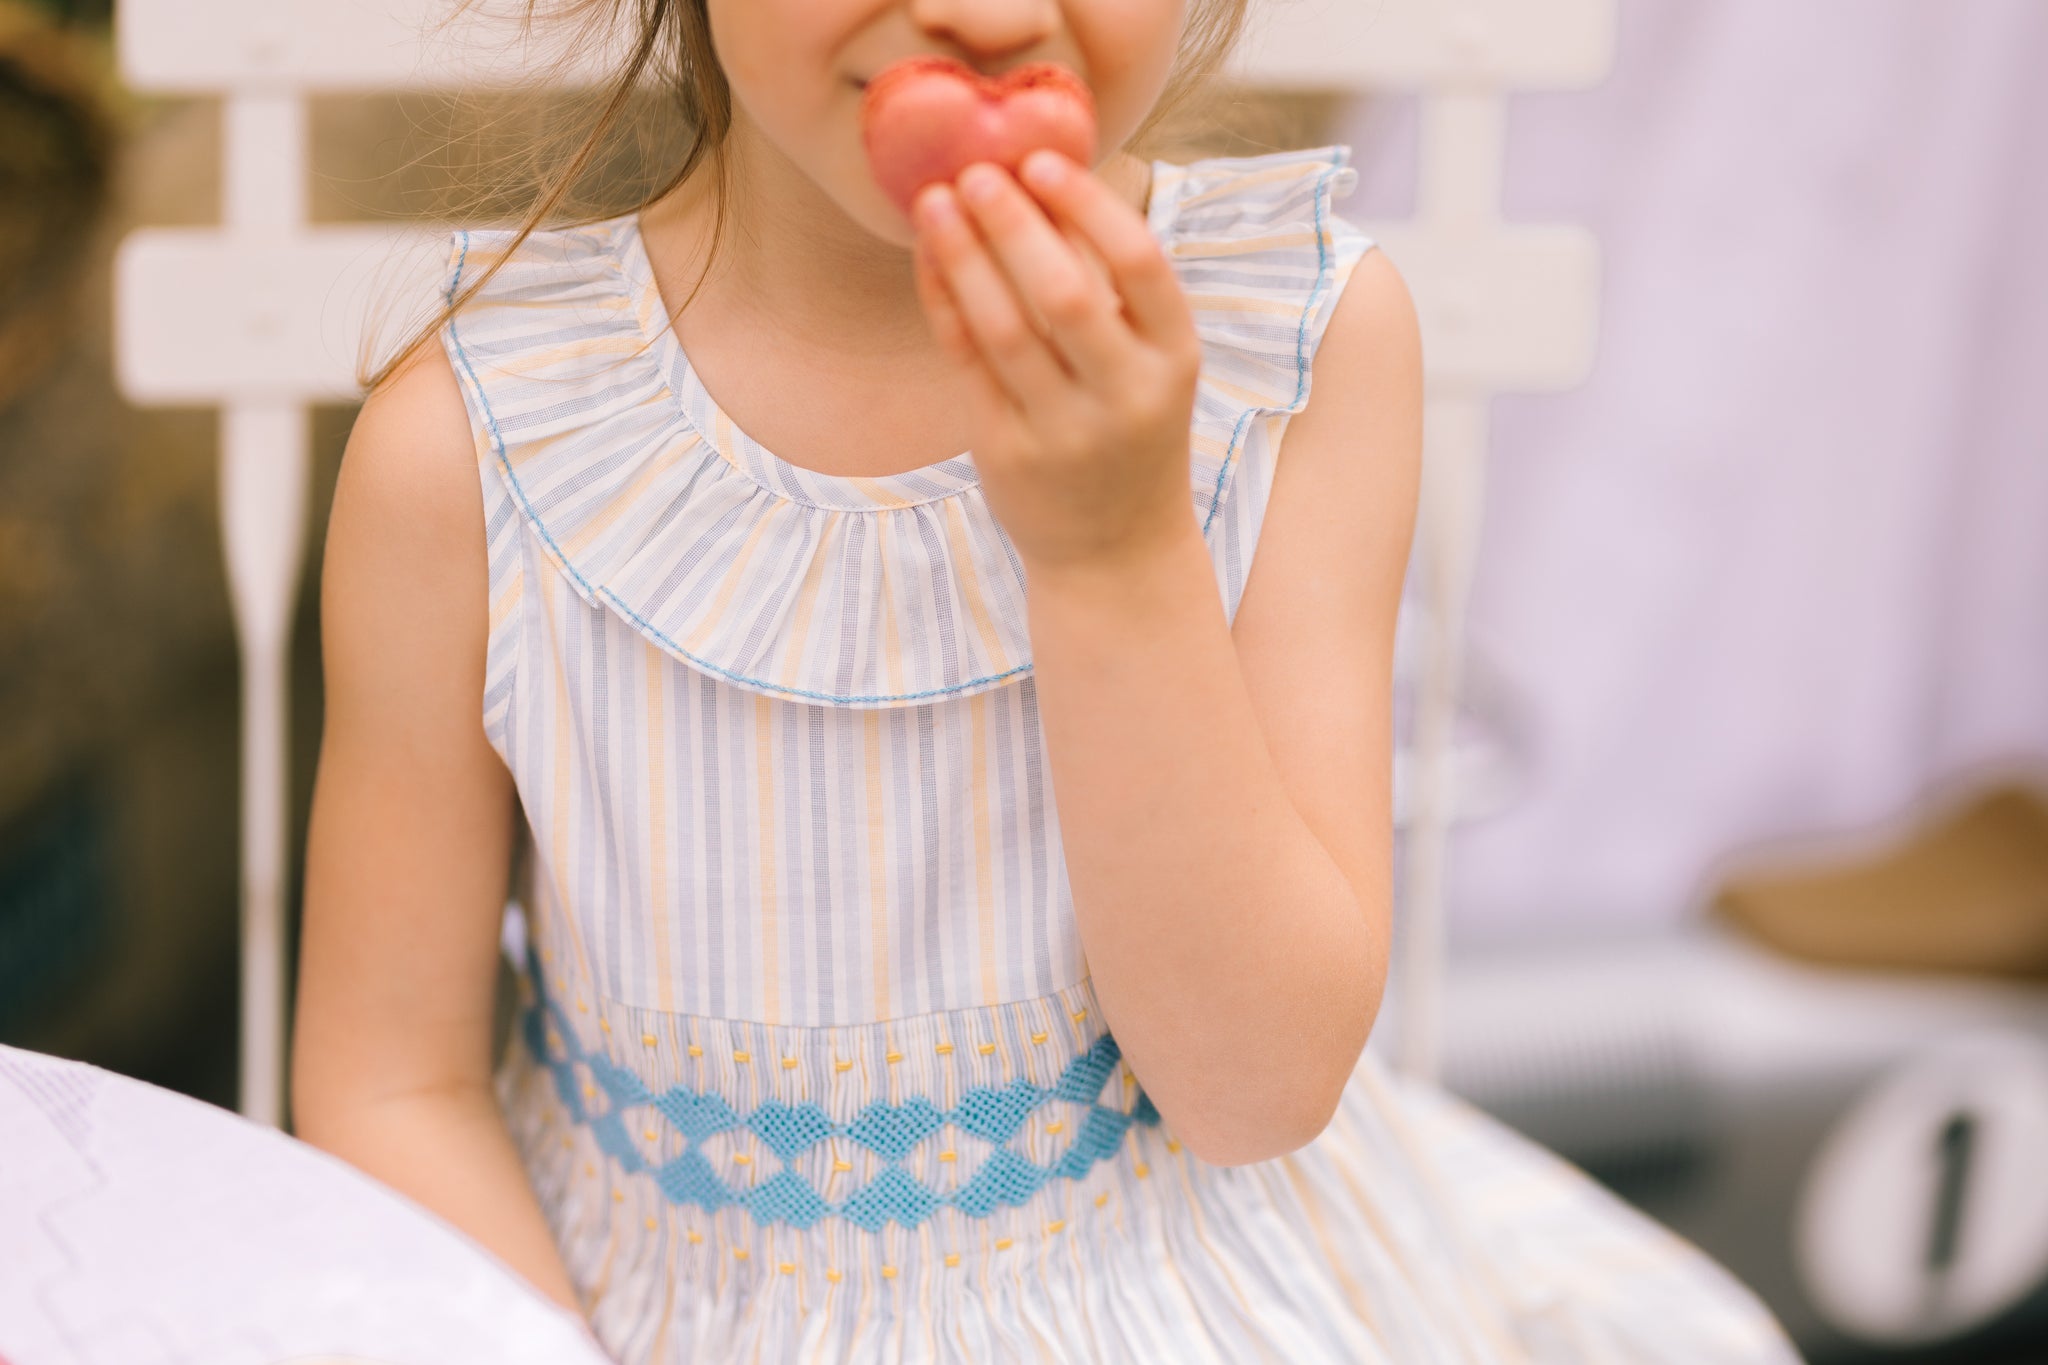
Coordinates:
(261,316)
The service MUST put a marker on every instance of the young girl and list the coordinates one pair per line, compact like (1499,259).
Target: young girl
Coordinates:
(957,883)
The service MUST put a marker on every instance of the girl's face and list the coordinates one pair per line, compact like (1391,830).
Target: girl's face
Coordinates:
(798,67)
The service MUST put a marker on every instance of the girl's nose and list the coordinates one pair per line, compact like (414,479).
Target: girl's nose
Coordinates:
(987,29)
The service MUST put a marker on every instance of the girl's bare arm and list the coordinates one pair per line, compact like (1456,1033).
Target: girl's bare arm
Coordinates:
(1225,795)
(412,825)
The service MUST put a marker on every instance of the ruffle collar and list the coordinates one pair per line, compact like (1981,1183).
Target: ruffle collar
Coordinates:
(858,592)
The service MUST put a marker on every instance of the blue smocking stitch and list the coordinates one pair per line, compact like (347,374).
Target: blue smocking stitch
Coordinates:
(996,1114)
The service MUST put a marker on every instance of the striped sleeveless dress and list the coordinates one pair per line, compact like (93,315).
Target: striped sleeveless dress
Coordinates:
(807,1066)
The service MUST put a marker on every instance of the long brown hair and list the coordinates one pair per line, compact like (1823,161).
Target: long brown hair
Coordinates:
(671,53)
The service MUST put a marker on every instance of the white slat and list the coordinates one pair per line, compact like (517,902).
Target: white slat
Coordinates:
(205,46)
(310,46)
(1439,44)
(203,317)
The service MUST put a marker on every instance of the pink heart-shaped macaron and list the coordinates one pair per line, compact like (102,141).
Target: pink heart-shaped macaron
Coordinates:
(925,119)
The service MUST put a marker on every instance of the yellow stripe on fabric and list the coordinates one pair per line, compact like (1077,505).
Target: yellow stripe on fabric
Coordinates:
(670,1281)
(984,850)
(721,436)
(1200,1224)
(878,863)
(658,895)
(1194,251)
(1311,1200)
(730,581)
(892,658)
(970,583)
(617,344)
(879,492)
(1238,184)
(507,600)
(627,498)
(768,911)
(532,447)
(806,602)
(558,824)
(1243,303)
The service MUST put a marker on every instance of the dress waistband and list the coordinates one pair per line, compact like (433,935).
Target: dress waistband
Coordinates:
(973,1110)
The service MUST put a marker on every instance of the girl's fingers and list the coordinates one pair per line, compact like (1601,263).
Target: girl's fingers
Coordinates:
(951,331)
(1143,275)
(1083,316)
(1007,342)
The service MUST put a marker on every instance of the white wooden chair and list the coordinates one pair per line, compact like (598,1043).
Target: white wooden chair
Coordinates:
(260,317)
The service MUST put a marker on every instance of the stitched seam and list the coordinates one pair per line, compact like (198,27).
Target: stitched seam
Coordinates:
(1301,367)
(498,735)
(592,591)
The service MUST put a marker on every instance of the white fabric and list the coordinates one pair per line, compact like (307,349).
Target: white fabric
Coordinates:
(139,1227)
(1782,566)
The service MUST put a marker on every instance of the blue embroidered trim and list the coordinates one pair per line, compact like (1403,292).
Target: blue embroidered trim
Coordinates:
(891,1131)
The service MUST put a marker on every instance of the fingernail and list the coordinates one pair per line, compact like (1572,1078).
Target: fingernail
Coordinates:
(1045,169)
(979,183)
(934,205)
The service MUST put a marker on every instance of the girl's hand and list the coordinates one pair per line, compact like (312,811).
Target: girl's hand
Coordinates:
(1083,389)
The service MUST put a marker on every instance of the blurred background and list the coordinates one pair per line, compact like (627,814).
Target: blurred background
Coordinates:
(1747,887)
